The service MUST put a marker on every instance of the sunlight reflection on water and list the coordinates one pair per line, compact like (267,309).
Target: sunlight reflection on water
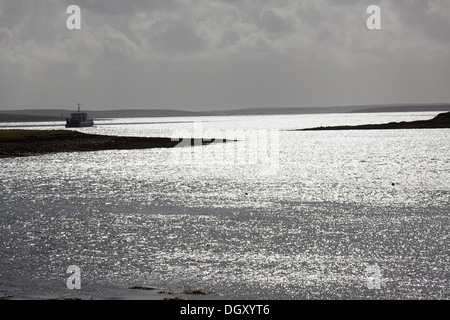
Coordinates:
(307,228)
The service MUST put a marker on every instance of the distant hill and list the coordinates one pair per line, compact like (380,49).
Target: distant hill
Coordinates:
(405,108)
(63,113)
(26,118)
(338,109)
(58,114)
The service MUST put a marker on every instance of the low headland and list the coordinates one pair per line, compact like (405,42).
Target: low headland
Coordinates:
(21,143)
(441,121)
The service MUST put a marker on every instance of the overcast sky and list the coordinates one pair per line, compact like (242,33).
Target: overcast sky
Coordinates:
(222,54)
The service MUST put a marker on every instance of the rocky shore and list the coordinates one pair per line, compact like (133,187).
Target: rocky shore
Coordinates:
(441,121)
(20,143)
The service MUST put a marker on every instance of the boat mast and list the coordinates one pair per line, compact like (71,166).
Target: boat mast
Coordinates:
(78,107)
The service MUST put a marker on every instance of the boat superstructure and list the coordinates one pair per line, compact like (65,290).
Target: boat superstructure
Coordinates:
(79,119)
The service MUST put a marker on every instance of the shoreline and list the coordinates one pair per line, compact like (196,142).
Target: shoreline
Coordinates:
(124,293)
(441,121)
(23,143)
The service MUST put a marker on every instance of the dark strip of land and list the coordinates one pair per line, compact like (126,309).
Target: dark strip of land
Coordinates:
(441,121)
(4,117)
(20,143)
(61,114)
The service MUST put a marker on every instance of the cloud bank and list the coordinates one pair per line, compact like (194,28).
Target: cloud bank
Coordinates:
(206,54)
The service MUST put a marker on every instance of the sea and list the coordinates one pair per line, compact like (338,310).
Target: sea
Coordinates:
(270,213)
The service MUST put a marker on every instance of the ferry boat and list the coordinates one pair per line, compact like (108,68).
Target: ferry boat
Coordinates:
(79,119)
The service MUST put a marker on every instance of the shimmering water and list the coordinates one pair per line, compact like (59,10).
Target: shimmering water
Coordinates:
(299,215)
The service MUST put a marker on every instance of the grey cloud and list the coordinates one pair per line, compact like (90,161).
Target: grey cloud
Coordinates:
(13,11)
(416,14)
(180,38)
(274,23)
(121,8)
(227,53)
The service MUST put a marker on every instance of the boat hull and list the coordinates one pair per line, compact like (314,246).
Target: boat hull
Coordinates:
(77,124)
